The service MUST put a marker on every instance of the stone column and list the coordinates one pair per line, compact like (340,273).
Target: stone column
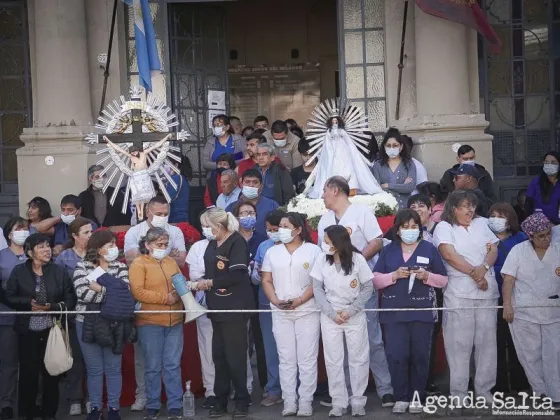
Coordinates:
(445,82)
(54,159)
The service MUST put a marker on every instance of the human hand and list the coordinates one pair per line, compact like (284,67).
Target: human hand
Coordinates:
(96,287)
(421,274)
(345,315)
(408,180)
(508,313)
(401,273)
(339,319)
(482,285)
(384,186)
(172,298)
(478,273)
(36,307)
(285,305)
(174,253)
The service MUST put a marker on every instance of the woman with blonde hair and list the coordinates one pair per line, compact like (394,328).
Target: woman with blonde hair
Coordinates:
(228,287)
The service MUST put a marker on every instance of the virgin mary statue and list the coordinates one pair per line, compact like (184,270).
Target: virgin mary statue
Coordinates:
(335,138)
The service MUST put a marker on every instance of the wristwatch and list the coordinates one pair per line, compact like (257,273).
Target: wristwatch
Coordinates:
(487,267)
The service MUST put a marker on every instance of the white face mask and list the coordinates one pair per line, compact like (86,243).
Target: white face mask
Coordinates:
(250,192)
(550,168)
(274,236)
(19,236)
(280,143)
(392,153)
(97,184)
(159,221)
(112,254)
(207,232)
(285,235)
(409,236)
(159,254)
(218,131)
(469,162)
(67,218)
(327,248)
(497,224)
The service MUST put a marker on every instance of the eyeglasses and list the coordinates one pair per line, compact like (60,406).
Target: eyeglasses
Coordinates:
(247,213)
(468,206)
(544,235)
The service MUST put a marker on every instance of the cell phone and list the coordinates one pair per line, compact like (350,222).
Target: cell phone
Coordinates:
(414,267)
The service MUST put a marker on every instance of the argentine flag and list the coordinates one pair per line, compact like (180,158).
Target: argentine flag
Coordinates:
(146,46)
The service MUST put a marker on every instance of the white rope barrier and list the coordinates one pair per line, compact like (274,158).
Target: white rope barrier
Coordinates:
(250,311)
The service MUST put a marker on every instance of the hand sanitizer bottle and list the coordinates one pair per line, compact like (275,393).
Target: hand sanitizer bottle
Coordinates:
(188,402)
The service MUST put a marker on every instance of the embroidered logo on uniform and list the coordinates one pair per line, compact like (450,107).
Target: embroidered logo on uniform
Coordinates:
(557,271)
(349,230)
(306,266)
(354,284)
(220,265)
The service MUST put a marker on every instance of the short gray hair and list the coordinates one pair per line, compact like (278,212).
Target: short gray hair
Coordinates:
(268,148)
(93,169)
(152,235)
(454,200)
(232,173)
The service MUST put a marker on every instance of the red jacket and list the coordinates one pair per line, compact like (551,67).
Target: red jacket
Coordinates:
(208,199)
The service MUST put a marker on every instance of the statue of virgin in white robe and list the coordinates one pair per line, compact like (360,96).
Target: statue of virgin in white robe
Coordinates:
(340,157)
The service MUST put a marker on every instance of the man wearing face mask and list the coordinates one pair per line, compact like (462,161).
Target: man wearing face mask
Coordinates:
(277,182)
(466,155)
(70,208)
(157,216)
(285,144)
(213,185)
(252,191)
(96,204)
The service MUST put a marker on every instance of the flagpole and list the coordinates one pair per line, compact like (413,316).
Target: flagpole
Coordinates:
(401,60)
(106,74)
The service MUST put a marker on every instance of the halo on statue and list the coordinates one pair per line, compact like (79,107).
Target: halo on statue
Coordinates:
(131,124)
(355,123)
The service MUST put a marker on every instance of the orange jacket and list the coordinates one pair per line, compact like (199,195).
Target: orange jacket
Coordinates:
(150,282)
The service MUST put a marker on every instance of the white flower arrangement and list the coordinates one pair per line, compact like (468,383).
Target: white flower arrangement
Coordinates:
(382,204)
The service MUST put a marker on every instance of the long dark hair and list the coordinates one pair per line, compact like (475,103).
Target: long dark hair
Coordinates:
(299,220)
(43,206)
(340,239)
(544,183)
(393,133)
(185,167)
(224,120)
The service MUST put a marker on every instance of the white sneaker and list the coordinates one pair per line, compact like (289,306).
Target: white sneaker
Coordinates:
(415,408)
(138,405)
(358,411)
(76,409)
(290,409)
(400,407)
(305,410)
(337,411)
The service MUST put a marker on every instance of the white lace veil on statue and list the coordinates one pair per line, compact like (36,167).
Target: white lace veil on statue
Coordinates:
(337,149)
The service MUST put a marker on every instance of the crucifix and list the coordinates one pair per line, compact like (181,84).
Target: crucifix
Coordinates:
(127,126)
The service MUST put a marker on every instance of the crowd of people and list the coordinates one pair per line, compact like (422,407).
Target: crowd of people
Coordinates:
(453,245)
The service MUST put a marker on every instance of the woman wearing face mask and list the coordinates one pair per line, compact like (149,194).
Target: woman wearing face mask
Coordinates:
(228,287)
(99,266)
(407,272)
(181,174)
(531,277)
(395,170)
(222,141)
(213,184)
(287,282)
(543,193)
(160,335)
(16,231)
(342,286)
(503,222)
(38,285)
(80,231)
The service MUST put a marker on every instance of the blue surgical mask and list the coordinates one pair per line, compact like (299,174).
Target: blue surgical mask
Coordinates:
(250,192)
(392,153)
(285,235)
(274,236)
(248,222)
(409,236)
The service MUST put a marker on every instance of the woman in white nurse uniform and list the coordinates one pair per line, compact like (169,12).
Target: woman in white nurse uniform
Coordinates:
(287,283)
(342,286)
(531,275)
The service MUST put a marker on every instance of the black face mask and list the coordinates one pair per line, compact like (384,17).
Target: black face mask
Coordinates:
(221,170)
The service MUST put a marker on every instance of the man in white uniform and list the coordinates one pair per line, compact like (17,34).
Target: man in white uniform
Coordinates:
(365,234)
(204,332)
(157,215)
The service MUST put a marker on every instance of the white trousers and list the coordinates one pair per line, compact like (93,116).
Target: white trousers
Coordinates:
(463,329)
(355,332)
(538,350)
(297,341)
(204,334)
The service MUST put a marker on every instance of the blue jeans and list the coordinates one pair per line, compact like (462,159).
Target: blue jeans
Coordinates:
(101,361)
(162,348)
(271,353)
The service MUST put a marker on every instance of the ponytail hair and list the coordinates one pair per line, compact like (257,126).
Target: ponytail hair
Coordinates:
(218,217)
(299,220)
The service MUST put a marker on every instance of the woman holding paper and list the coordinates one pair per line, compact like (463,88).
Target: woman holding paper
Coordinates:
(408,270)
(100,260)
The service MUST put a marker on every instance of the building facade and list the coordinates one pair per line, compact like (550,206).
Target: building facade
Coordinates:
(280,60)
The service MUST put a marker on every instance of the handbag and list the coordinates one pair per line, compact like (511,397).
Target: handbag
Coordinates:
(58,355)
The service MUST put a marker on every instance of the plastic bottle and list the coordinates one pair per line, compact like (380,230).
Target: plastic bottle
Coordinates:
(188,402)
